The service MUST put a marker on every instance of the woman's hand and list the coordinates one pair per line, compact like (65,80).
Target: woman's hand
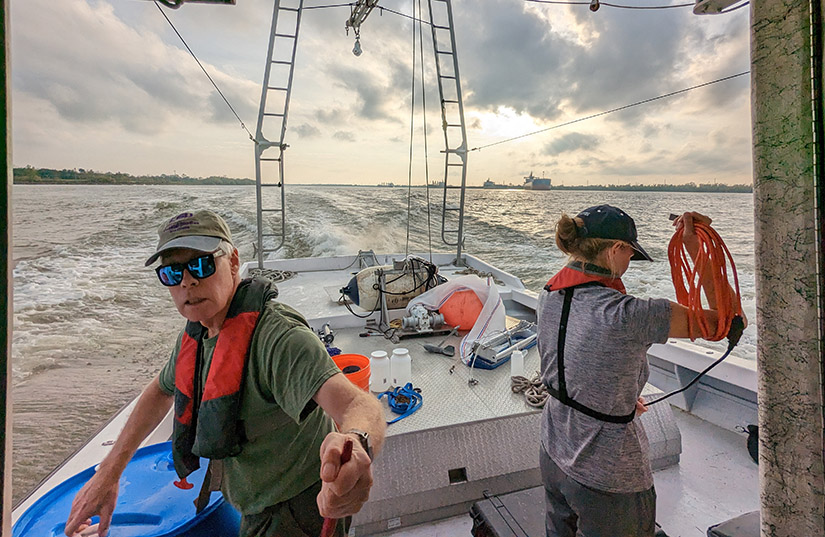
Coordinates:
(640,406)
(689,238)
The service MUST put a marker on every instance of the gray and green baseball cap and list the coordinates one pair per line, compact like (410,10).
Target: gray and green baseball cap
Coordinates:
(198,230)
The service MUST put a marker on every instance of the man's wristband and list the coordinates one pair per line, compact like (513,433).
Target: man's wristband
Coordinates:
(363,439)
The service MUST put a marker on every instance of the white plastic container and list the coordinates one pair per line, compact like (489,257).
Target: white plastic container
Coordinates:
(401,367)
(517,364)
(379,371)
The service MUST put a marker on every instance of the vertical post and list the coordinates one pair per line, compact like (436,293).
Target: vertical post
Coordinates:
(6,278)
(448,123)
(787,155)
(260,143)
(462,149)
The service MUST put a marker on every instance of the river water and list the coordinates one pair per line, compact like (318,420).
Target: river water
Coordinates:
(92,325)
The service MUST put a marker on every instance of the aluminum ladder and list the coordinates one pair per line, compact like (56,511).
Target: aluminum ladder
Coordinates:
(452,123)
(272,118)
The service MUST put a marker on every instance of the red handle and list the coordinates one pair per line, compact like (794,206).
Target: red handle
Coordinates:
(183,484)
(346,453)
(328,529)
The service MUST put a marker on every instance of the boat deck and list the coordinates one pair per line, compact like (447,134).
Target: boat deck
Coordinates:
(471,438)
(716,480)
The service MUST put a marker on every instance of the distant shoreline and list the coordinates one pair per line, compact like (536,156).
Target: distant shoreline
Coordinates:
(80,176)
(45,176)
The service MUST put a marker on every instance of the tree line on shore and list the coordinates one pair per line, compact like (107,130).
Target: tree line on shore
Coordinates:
(80,176)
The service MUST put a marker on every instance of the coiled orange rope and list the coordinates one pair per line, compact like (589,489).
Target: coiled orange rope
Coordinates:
(687,280)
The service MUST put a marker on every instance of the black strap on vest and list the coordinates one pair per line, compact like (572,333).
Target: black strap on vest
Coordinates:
(211,482)
(561,393)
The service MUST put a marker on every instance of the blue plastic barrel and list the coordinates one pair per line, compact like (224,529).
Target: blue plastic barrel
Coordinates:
(148,504)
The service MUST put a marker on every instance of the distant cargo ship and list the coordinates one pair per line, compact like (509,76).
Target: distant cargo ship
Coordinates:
(532,182)
(489,183)
(541,184)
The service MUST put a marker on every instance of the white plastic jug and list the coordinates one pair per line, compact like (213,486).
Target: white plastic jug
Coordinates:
(379,371)
(401,366)
(517,364)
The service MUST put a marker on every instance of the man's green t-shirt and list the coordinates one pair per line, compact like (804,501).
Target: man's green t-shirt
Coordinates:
(284,427)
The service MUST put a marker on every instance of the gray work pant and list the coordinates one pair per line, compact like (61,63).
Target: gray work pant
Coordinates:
(574,509)
(296,517)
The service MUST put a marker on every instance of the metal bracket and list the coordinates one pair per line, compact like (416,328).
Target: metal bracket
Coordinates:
(383,324)
(688,397)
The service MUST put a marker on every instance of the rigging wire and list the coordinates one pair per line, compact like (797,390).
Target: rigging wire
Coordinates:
(412,132)
(551,2)
(612,110)
(400,14)
(204,72)
(381,10)
(412,127)
(620,6)
(424,119)
(325,6)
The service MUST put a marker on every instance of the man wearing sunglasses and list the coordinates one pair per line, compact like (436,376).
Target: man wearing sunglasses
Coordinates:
(255,390)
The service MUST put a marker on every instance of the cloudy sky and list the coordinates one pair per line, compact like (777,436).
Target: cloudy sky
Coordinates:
(107,85)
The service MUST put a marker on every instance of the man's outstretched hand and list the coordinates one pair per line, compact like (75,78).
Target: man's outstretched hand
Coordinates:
(345,488)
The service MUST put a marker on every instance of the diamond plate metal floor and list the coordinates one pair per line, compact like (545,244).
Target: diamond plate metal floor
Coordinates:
(714,481)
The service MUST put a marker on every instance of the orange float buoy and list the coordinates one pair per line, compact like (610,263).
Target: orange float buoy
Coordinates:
(462,309)
(356,367)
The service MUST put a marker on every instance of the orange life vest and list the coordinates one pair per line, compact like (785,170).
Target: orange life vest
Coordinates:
(207,417)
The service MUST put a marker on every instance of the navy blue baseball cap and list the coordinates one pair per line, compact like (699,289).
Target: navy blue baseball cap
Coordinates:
(608,222)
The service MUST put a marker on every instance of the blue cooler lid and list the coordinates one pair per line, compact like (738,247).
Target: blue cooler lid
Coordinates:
(148,504)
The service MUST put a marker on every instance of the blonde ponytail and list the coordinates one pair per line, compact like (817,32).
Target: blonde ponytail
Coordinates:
(569,240)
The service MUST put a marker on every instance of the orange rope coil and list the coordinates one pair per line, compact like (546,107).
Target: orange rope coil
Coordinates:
(687,280)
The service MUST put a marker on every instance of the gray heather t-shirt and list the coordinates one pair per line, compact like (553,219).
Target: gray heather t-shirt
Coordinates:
(605,362)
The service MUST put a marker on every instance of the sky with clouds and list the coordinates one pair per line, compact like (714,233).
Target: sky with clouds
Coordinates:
(107,85)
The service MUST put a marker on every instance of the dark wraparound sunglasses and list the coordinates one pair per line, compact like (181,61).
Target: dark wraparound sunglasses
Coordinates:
(198,267)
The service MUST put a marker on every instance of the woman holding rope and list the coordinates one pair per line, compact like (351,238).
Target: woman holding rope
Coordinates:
(593,341)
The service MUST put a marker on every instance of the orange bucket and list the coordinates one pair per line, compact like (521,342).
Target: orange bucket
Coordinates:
(356,367)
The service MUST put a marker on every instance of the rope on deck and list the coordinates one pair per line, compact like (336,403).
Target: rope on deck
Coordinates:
(535,392)
(273,275)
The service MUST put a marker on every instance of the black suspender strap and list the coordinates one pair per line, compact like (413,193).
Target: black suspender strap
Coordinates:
(561,393)
(565,315)
(211,482)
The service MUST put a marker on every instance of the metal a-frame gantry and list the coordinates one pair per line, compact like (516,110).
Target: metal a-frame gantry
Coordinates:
(273,112)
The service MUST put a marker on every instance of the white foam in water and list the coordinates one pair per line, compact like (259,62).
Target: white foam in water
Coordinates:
(88,277)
